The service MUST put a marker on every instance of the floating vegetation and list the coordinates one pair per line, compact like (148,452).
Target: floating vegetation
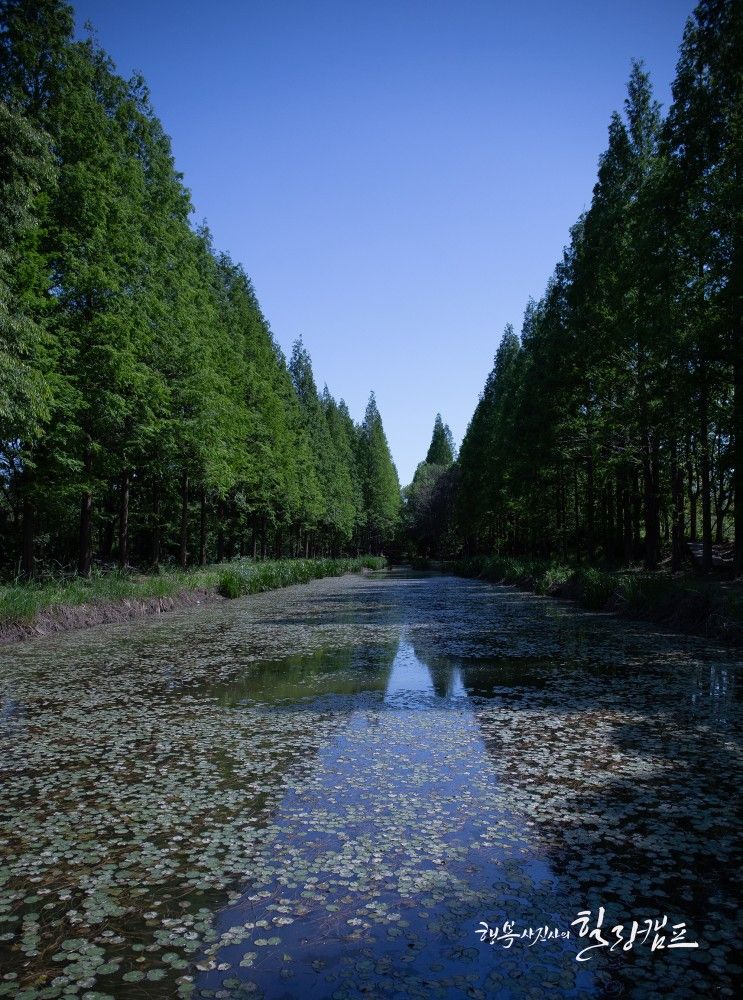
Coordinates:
(327,790)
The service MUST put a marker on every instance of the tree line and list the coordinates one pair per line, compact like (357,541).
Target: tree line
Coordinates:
(612,428)
(146,411)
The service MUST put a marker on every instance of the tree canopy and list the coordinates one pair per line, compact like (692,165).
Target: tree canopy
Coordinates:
(611,428)
(146,411)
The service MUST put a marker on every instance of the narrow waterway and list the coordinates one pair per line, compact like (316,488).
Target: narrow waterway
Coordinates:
(384,786)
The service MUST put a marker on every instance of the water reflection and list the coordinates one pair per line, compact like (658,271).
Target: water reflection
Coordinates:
(365,769)
(305,678)
(377,875)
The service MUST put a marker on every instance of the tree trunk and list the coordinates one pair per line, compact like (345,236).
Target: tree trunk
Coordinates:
(106,539)
(108,526)
(636,515)
(650,504)
(738,440)
(736,299)
(184,521)
(610,521)
(86,518)
(563,516)
(692,491)
(677,498)
(202,529)
(220,532)
(706,490)
(626,514)
(590,511)
(27,540)
(124,519)
(156,525)
(719,524)
(576,506)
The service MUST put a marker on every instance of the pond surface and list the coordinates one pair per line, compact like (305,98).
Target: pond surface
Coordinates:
(347,789)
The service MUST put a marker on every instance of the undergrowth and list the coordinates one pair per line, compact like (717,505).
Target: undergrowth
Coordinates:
(21,602)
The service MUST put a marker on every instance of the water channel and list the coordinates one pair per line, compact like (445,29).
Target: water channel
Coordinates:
(395,785)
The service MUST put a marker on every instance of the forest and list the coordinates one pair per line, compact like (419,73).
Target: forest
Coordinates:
(611,429)
(271,726)
(147,414)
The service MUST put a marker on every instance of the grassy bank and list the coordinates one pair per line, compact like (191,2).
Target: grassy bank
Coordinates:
(23,603)
(238,579)
(683,603)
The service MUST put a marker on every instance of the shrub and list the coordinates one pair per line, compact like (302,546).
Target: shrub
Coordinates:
(595,587)
(251,578)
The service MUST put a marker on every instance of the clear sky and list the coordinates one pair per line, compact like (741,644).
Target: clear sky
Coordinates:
(396,176)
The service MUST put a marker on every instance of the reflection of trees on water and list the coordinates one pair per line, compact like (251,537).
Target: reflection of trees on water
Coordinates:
(308,682)
(717,692)
(442,670)
(476,678)
(296,681)
(625,770)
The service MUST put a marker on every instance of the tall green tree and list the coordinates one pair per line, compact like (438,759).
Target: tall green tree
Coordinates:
(380,484)
(26,372)
(706,144)
(441,449)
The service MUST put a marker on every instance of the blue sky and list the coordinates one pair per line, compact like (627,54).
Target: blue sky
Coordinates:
(396,176)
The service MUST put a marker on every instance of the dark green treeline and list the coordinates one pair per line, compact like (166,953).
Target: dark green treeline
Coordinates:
(429,502)
(146,412)
(612,428)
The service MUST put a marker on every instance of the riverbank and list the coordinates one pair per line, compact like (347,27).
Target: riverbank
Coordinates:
(680,602)
(59,605)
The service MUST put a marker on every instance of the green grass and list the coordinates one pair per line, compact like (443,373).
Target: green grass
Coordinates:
(251,578)
(595,587)
(540,575)
(705,606)
(22,602)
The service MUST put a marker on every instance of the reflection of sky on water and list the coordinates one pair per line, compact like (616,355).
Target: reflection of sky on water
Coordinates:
(393,792)
(408,681)
(428,751)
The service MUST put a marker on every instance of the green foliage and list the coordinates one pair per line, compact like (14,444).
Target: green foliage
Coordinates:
(595,588)
(441,449)
(23,602)
(612,427)
(25,169)
(252,578)
(146,412)
(682,603)
(379,483)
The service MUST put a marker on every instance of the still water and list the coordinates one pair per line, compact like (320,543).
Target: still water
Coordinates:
(397,785)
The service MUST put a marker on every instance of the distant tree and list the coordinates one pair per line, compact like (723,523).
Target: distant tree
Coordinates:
(336,511)
(441,449)
(380,485)
(428,502)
